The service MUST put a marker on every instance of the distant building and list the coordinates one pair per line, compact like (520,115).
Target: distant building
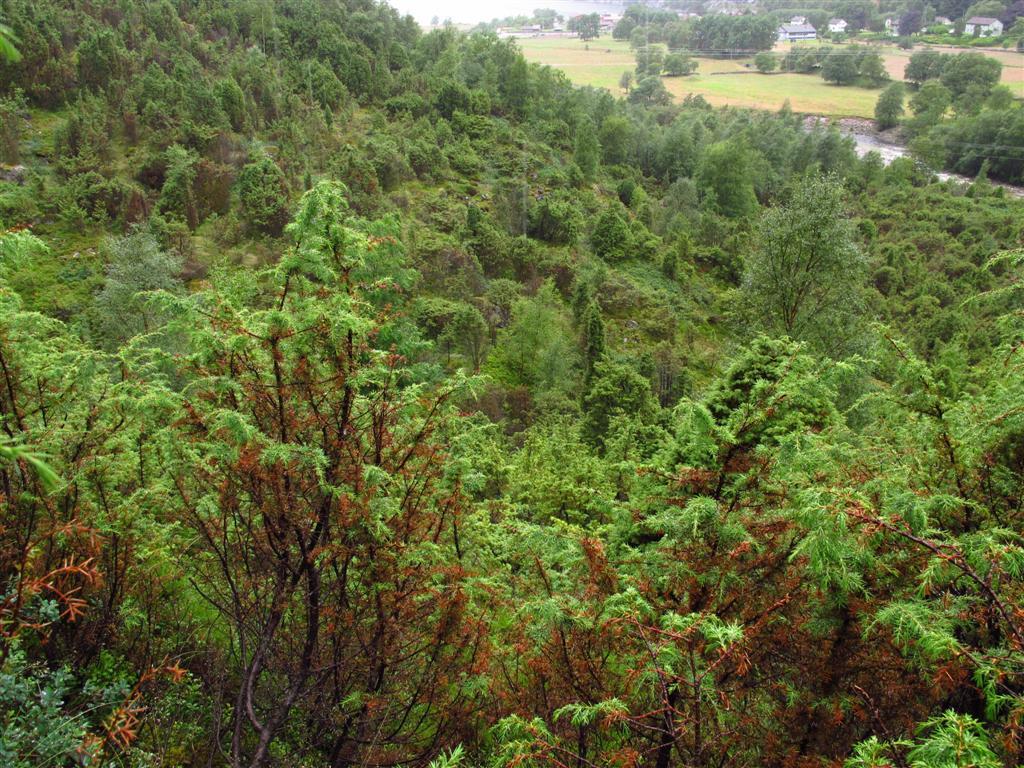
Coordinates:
(798,20)
(528,30)
(944,20)
(837,25)
(892,27)
(983,26)
(793,33)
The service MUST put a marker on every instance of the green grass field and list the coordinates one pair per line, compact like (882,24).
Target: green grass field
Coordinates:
(600,63)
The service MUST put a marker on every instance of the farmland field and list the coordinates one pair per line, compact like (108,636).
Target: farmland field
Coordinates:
(896,59)
(600,63)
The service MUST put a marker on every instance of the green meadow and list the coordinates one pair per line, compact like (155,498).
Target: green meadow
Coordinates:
(600,63)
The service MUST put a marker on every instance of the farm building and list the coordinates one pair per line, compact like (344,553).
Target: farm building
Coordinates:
(792,33)
(983,26)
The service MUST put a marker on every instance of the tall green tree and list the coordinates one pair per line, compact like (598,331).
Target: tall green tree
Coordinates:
(924,66)
(677,64)
(840,67)
(889,107)
(593,340)
(724,176)
(611,237)
(650,90)
(537,349)
(178,195)
(616,391)
(588,148)
(136,265)
(516,87)
(806,277)
(587,26)
(929,105)
(970,69)
(263,193)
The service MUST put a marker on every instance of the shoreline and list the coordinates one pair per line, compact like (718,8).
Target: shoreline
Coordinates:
(887,143)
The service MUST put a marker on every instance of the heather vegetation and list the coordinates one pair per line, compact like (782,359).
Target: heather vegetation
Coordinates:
(371,397)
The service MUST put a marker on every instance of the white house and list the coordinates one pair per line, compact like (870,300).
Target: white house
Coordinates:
(983,26)
(793,33)
(837,25)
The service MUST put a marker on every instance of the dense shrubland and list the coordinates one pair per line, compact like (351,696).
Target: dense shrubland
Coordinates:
(370,397)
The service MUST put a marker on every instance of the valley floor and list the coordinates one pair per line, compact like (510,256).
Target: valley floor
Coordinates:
(600,63)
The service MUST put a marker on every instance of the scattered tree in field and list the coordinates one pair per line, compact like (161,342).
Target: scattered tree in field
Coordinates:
(846,67)
(586,26)
(970,69)
(871,68)
(679,64)
(650,61)
(650,90)
(924,66)
(840,68)
(766,62)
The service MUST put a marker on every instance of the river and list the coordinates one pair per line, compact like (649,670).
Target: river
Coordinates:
(867,140)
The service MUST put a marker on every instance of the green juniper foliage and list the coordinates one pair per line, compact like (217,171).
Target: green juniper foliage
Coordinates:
(372,396)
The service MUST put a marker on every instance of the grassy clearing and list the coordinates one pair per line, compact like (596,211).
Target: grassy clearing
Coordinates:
(600,63)
(806,93)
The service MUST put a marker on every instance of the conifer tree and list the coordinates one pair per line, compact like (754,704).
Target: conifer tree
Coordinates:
(593,340)
(588,149)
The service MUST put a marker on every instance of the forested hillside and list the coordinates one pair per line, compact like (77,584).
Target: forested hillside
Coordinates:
(371,397)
